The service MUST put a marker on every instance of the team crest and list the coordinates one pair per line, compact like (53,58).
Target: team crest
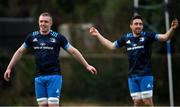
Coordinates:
(53,40)
(142,39)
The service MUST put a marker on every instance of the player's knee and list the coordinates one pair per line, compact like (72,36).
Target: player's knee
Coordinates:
(147,98)
(147,94)
(53,101)
(148,102)
(137,98)
(138,102)
(42,102)
(136,95)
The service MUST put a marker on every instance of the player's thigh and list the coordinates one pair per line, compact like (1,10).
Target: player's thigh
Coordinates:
(134,88)
(147,87)
(40,91)
(54,89)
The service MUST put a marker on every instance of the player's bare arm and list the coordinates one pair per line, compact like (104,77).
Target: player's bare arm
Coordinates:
(168,35)
(17,56)
(77,55)
(105,42)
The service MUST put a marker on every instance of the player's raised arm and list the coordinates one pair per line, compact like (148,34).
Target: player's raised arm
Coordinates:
(77,55)
(105,42)
(168,35)
(17,55)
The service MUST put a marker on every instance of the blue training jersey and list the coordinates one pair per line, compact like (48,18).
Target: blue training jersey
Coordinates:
(46,49)
(139,52)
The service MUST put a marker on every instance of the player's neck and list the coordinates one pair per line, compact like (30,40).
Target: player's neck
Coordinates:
(136,35)
(44,32)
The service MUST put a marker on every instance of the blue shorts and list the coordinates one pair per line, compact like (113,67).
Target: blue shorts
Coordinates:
(141,87)
(48,88)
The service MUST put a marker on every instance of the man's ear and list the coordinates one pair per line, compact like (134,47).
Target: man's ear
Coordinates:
(51,22)
(130,25)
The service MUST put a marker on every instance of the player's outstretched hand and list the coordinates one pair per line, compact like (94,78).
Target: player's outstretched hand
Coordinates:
(91,69)
(174,23)
(7,74)
(93,31)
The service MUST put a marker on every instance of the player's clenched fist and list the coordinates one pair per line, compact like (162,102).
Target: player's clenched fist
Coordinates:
(93,31)
(174,23)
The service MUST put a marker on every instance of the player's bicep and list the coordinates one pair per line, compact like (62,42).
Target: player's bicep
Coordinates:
(72,50)
(161,37)
(118,44)
(24,45)
(69,49)
(67,46)
(22,49)
(114,45)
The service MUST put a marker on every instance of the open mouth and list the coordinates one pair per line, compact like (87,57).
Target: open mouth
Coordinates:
(138,29)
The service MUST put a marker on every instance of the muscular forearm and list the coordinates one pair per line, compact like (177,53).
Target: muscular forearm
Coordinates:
(168,35)
(108,44)
(77,55)
(15,58)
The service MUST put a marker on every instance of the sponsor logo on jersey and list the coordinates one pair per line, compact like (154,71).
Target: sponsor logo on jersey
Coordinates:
(35,40)
(149,86)
(134,48)
(134,45)
(128,42)
(42,44)
(57,91)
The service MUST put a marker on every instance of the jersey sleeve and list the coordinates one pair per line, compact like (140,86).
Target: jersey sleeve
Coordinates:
(120,42)
(27,42)
(64,42)
(152,36)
